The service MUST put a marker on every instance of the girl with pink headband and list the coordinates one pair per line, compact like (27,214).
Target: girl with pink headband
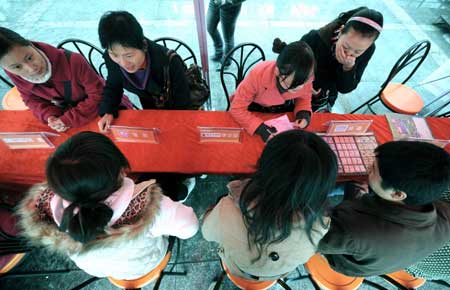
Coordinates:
(342,50)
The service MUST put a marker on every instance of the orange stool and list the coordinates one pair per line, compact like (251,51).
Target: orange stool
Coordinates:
(10,262)
(404,279)
(13,101)
(401,99)
(326,278)
(246,284)
(12,248)
(155,274)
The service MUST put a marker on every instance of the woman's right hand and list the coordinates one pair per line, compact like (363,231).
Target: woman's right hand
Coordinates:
(105,123)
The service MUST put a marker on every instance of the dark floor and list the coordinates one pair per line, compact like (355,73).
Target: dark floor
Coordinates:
(260,21)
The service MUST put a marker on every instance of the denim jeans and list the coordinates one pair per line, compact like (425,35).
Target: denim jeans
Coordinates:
(227,15)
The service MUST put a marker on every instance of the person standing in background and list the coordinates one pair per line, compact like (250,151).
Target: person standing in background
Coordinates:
(227,12)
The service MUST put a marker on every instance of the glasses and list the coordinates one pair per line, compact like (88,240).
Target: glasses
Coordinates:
(293,86)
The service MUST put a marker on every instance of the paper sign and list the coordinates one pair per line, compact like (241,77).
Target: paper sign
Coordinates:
(135,134)
(356,127)
(27,140)
(221,135)
(281,124)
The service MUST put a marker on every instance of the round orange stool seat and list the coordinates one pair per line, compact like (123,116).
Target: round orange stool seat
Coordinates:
(327,278)
(144,280)
(248,284)
(407,280)
(401,99)
(13,101)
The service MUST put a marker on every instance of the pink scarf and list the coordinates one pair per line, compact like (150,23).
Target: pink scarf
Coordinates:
(118,202)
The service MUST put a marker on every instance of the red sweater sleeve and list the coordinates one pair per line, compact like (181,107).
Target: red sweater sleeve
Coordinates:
(87,109)
(40,107)
(244,96)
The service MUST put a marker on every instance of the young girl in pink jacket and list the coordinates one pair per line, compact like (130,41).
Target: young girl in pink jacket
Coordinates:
(284,85)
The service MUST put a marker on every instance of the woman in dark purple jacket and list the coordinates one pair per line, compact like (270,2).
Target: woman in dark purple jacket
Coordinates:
(59,87)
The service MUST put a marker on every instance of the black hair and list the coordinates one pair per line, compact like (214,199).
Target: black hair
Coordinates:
(295,173)
(10,39)
(296,57)
(85,170)
(364,29)
(419,169)
(120,27)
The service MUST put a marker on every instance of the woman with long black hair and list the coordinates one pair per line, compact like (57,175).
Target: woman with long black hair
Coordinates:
(271,223)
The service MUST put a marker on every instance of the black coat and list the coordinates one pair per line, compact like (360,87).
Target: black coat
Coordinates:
(329,74)
(116,82)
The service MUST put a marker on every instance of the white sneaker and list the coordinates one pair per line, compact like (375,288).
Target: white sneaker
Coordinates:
(190,184)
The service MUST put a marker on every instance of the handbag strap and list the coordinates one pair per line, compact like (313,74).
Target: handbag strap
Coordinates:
(68,84)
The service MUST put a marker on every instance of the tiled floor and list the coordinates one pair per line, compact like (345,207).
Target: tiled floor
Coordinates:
(260,21)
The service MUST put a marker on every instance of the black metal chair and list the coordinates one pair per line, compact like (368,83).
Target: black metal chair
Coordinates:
(7,81)
(397,97)
(181,48)
(92,54)
(241,58)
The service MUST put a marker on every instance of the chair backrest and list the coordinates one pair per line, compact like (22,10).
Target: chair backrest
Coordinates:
(413,58)
(241,58)
(90,52)
(181,48)
(7,81)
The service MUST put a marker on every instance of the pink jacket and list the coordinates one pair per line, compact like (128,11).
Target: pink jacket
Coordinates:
(87,88)
(260,87)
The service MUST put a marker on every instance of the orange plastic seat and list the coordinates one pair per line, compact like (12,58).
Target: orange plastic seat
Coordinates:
(10,262)
(144,280)
(13,101)
(401,99)
(248,284)
(406,280)
(326,278)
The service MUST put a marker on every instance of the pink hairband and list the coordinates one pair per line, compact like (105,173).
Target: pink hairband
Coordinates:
(367,21)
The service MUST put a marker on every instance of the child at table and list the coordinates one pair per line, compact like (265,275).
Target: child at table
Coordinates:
(284,85)
(342,50)
(89,210)
(272,222)
(59,87)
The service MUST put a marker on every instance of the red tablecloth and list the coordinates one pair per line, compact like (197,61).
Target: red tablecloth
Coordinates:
(179,149)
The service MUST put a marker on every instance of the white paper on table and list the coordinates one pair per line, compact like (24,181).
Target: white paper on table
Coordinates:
(281,124)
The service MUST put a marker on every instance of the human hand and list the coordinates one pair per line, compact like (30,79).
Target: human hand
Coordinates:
(266,132)
(301,123)
(105,123)
(56,124)
(347,61)
(316,92)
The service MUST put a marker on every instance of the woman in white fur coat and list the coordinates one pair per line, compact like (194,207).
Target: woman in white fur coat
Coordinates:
(89,210)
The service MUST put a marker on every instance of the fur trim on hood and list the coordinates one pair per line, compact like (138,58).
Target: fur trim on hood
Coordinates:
(43,232)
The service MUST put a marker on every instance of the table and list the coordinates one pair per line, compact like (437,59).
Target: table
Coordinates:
(179,149)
